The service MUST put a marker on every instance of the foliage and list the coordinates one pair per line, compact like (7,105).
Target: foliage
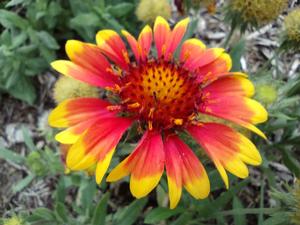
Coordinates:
(34,30)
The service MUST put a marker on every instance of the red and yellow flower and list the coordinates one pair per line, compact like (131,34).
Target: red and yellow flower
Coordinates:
(164,95)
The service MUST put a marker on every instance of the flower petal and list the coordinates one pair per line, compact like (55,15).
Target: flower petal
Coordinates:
(227,148)
(145,163)
(72,134)
(133,44)
(162,33)
(145,41)
(176,37)
(241,110)
(78,72)
(215,69)
(230,86)
(191,48)
(204,58)
(97,145)
(89,57)
(183,167)
(73,111)
(174,171)
(111,44)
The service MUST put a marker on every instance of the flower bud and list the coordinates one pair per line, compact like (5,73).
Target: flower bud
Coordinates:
(148,10)
(66,88)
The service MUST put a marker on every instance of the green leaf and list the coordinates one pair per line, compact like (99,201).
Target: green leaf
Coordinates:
(10,19)
(100,211)
(23,183)
(24,90)
(158,214)
(11,156)
(279,218)
(14,2)
(44,213)
(27,139)
(86,194)
(290,160)
(131,213)
(48,40)
(61,212)
(238,219)
(236,54)
(85,19)
(294,90)
(121,9)
(184,218)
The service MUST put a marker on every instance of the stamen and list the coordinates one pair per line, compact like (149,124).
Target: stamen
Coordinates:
(192,116)
(150,125)
(115,89)
(151,111)
(178,122)
(134,105)
(125,55)
(114,107)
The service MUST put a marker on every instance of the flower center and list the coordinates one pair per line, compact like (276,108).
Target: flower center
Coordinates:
(162,94)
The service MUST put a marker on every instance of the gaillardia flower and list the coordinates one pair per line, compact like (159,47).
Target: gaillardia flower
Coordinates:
(163,96)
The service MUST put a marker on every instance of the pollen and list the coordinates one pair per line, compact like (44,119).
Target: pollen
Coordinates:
(161,94)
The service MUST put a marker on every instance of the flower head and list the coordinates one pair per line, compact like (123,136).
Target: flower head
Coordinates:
(266,93)
(258,12)
(67,87)
(163,95)
(292,25)
(148,10)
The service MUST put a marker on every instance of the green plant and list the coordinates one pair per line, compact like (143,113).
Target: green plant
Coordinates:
(34,30)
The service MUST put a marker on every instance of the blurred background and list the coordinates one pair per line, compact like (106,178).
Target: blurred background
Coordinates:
(263,39)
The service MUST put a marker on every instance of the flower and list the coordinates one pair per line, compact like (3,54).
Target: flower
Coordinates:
(14,220)
(162,95)
(266,93)
(258,12)
(292,25)
(148,10)
(66,87)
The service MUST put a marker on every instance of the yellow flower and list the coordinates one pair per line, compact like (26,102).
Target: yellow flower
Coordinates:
(259,12)
(14,220)
(292,25)
(148,10)
(266,93)
(66,88)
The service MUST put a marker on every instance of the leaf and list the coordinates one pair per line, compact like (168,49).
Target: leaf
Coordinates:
(294,90)
(61,212)
(86,194)
(158,214)
(85,19)
(121,9)
(44,213)
(184,218)
(14,2)
(23,183)
(131,213)
(236,54)
(100,211)
(291,161)
(24,90)
(280,115)
(48,40)
(238,219)
(9,155)
(10,19)
(279,218)
(27,139)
